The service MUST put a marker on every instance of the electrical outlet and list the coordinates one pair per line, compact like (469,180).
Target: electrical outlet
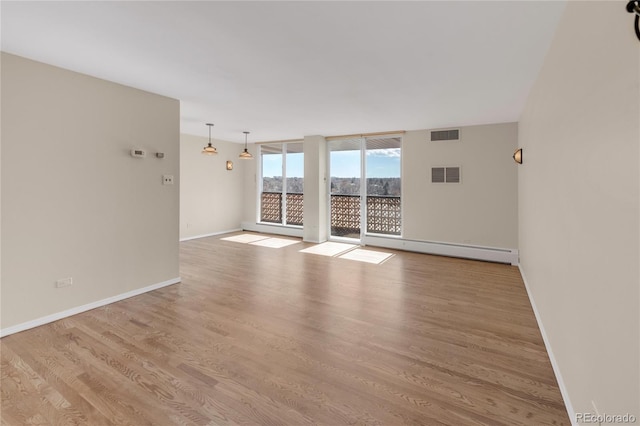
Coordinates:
(64,282)
(167,179)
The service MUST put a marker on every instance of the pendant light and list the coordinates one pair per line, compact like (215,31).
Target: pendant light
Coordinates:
(245,155)
(209,149)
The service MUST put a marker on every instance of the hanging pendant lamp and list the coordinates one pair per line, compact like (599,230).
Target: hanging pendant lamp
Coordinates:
(245,155)
(209,149)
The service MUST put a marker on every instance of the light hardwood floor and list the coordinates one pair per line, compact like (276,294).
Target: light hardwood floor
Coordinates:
(257,335)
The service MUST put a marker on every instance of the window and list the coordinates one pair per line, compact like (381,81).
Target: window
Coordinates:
(282,183)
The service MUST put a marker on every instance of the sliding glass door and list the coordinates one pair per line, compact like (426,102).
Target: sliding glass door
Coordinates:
(383,173)
(365,187)
(345,192)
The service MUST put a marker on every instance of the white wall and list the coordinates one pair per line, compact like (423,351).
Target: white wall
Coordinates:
(211,196)
(481,210)
(74,202)
(578,205)
(315,189)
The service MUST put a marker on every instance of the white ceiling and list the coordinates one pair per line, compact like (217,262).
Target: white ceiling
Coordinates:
(283,70)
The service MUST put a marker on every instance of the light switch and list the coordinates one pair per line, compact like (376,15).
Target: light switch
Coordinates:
(167,179)
(64,282)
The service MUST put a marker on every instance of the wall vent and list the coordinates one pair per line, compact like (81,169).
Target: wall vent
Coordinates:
(445,175)
(452,174)
(445,135)
(437,174)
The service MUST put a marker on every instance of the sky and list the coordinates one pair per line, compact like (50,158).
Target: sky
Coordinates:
(272,165)
(380,163)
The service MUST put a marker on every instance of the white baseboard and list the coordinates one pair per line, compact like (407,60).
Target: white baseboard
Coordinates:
(312,241)
(273,229)
(491,254)
(195,237)
(79,309)
(552,358)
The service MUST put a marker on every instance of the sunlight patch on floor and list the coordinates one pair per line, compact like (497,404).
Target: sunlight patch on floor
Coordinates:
(245,238)
(274,242)
(368,256)
(329,249)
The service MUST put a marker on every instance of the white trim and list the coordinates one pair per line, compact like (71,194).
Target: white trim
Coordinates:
(210,235)
(313,241)
(79,309)
(491,254)
(327,187)
(363,190)
(346,240)
(283,200)
(552,358)
(277,229)
(259,181)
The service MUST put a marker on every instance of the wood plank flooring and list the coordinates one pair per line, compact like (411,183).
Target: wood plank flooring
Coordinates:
(261,336)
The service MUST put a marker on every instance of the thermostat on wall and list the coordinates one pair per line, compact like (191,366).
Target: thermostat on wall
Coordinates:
(138,153)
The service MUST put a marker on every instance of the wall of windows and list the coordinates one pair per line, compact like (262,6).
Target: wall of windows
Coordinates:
(387,180)
(282,183)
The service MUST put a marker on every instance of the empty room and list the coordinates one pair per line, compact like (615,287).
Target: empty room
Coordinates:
(320,212)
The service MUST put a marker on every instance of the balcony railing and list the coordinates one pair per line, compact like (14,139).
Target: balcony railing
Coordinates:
(383,213)
(271,208)
(294,209)
(345,215)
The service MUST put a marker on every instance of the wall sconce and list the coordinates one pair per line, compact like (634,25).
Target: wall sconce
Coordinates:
(517,156)
(634,7)
(229,165)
